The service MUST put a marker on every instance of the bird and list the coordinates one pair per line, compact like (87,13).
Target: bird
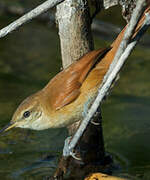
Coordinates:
(67,96)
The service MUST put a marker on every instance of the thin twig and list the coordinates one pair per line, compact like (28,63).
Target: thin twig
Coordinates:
(103,89)
(30,15)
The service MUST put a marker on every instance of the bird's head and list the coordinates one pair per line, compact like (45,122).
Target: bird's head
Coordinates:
(29,114)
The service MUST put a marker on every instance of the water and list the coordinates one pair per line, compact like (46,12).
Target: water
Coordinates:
(126,116)
(29,57)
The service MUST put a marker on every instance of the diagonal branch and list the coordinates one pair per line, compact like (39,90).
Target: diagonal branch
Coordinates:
(103,89)
(30,15)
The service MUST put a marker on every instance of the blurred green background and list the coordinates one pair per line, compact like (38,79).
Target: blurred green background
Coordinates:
(29,57)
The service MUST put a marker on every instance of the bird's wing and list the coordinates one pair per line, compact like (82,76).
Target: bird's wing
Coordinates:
(64,88)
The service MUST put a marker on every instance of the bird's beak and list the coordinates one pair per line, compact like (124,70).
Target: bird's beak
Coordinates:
(7,127)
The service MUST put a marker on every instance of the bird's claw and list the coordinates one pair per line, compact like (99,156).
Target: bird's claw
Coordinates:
(95,118)
(73,155)
(67,151)
(95,123)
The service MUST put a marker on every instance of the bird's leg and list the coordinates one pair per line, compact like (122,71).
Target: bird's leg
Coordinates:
(96,119)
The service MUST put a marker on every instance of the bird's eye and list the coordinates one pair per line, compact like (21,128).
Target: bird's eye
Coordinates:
(26,114)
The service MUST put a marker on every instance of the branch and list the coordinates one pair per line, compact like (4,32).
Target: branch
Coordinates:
(30,15)
(74,30)
(104,87)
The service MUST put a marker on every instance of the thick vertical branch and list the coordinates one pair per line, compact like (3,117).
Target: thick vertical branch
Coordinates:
(74,30)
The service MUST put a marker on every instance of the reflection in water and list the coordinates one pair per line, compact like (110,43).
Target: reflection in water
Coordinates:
(28,59)
(37,170)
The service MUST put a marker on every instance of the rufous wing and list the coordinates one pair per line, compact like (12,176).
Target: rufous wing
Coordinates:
(64,88)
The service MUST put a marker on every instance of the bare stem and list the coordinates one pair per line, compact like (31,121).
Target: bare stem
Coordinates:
(30,15)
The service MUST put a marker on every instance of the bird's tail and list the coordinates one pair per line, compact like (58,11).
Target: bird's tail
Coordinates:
(108,58)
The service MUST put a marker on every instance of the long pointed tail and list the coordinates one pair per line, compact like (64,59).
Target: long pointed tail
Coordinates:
(106,61)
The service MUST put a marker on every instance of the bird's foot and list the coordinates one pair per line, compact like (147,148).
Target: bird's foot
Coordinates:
(95,123)
(96,119)
(66,150)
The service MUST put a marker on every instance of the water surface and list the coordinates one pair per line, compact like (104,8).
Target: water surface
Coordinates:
(29,57)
